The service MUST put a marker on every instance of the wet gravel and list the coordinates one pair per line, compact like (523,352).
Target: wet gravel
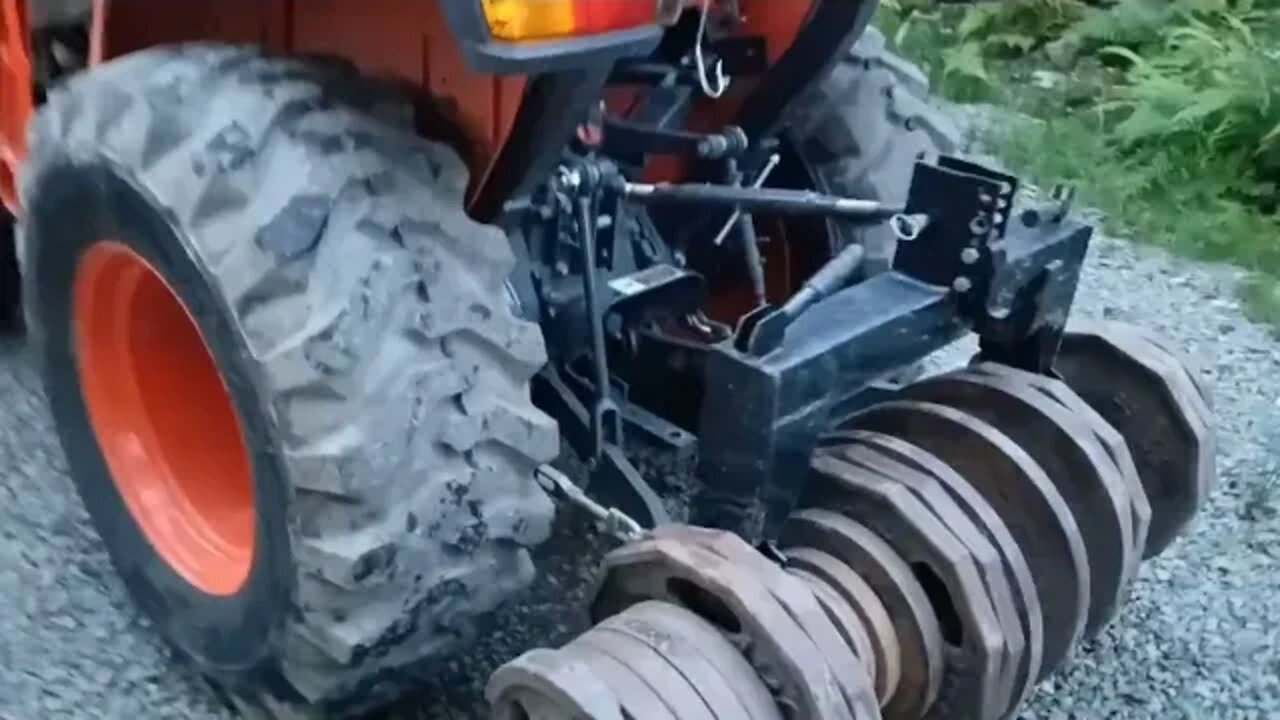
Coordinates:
(1200,637)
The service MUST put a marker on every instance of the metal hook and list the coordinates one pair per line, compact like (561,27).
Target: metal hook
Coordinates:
(721,80)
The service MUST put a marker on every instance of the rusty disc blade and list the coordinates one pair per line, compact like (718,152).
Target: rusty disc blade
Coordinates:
(800,603)
(1021,494)
(1012,593)
(885,654)
(550,684)
(704,656)
(1151,401)
(915,625)
(616,640)
(1193,371)
(1064,447)
(733,599)
(847,623)
(979,663)
(1022,641)
(1117,454)
(1199,402)
(637,697)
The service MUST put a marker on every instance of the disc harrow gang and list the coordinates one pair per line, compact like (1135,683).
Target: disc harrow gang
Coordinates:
(1063,446)
(1021,494)
(739,600)
(884,657)
(951,548)
(1146,394)
(966,513)
(978,661)
(1117,456)
(915,625)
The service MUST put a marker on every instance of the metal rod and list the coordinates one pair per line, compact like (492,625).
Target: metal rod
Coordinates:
(588,235)
(755,264)
(763,177)
(616,522)
(604,416)
(747,236)
(830,278)
(759,200)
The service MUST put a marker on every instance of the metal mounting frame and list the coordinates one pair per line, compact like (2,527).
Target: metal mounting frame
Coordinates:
(1011,284)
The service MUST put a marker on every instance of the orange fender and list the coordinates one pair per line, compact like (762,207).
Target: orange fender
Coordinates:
(16,100)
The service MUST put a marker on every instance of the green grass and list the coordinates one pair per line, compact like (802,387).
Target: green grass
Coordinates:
(1155,199)
(1168,136)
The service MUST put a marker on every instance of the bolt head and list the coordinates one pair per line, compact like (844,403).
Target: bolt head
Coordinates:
(969,256)
(980,225)
(962,285)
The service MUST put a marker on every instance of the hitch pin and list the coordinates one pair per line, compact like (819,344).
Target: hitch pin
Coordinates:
(761,179)
(615,522)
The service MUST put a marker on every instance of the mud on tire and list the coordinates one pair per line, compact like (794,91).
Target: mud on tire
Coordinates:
(862,130)
(361,325)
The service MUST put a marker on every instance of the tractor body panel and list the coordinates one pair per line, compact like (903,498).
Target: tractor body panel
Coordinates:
(16,102)
(444,49)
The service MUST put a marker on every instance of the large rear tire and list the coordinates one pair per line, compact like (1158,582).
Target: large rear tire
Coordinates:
(270,331)
(862,130)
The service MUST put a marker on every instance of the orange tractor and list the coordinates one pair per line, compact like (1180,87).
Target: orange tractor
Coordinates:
(319,286)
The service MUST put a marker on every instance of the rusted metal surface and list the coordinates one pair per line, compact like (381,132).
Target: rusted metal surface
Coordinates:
(915,625)
(1023,497)
(1009,581)
(979,663)
(630,649)
(886,655)
(637,697)
(847,623)
(1117,452)
(798,599)
(728,685)
(1200,402)
(1146,395)
(1193,370)
(1064,447)
(1022,639)
(551,685)
(734,599)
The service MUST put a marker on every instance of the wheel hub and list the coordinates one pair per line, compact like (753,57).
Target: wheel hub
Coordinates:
(163,418)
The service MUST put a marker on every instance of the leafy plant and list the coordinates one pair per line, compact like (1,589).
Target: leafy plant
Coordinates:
(1130,23)
(1164,113)
(1212,90)
(1019,24)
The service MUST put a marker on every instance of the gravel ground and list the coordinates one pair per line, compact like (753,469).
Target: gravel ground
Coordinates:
(1199,639)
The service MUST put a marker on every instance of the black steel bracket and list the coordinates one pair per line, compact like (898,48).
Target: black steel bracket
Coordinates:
(971,269)
(612,480)
(1014,289)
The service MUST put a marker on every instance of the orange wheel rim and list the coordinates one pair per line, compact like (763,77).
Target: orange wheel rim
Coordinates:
(163,418)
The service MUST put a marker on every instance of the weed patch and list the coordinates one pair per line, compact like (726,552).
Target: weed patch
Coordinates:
(1165,114)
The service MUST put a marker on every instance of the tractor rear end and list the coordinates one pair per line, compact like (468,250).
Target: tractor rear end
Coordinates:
(311,340)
